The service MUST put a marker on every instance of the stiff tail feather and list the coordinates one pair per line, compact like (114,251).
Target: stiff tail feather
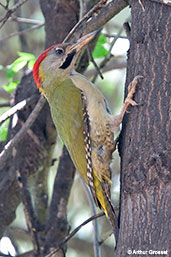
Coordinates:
(110,212)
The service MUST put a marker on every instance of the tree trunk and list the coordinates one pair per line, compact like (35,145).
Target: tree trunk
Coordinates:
(145,207)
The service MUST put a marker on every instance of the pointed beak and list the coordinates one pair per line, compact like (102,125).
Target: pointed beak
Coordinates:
(83,41)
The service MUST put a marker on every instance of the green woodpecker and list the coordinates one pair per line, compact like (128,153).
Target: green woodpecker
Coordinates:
(81,117)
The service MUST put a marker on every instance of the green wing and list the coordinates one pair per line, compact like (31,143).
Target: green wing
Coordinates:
(67,114)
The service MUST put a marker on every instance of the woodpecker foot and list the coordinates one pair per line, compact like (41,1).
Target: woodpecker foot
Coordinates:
(117,120)
(131,91)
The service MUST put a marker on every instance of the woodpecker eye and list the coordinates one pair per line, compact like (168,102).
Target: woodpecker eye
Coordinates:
(59,51)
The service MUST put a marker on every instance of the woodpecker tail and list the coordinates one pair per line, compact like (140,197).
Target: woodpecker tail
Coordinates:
(109,210)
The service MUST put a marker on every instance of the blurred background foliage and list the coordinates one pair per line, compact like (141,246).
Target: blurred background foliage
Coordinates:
(17,55)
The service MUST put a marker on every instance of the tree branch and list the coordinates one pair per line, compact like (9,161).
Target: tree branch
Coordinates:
(7,104)
(29,211)
(10,11)
(22,32)
(25,20)
(105,238)
(105,12)
(85,17)
(16,108)
(167,2)
(19,136)
(113,64)
(109,55)
(98,71)
(67,238)
(81,225)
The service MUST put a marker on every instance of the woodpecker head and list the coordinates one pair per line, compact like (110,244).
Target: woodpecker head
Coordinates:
(58,60)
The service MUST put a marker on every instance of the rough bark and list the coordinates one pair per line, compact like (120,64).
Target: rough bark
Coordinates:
(145,208)
(60,17)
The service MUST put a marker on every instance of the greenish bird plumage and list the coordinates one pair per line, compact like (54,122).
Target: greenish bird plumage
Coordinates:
(68,119)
